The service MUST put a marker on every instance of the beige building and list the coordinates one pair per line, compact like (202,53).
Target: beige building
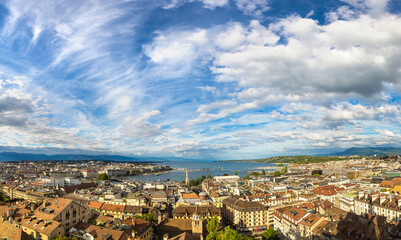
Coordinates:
(62,210)
(245,215)
(387,205)
(41,229)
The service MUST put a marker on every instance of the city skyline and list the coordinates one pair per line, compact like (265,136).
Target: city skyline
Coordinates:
(207,79)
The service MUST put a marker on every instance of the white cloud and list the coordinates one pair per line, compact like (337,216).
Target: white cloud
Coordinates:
(211,4)
(140,127)
(253,7)
(373,7)
(249,7)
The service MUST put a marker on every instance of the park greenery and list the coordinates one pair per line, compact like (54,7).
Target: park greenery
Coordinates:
(197,181)
(271,234)
(212,227)
(263,173)
(61,237)
(103,176)
(148,217)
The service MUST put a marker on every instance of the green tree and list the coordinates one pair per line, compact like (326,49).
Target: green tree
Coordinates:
(103,176)
(212,226)
(3,198)
(61,237)
(230,234)
(263,172)
(148,217)
(236,173)
(209,176)
(271,234)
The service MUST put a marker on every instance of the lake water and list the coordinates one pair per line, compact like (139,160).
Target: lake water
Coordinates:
(197,169)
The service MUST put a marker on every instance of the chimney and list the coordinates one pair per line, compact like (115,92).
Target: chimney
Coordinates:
(9,213)
(374,196)
(165,236)
(382,198)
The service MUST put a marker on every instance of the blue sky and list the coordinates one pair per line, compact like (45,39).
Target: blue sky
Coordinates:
(211,79)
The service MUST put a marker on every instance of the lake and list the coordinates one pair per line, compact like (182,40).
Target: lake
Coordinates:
(197,169)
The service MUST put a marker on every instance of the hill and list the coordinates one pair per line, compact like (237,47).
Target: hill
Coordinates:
(296,159)
(369,151)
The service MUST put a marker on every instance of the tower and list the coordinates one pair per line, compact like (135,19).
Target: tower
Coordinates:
(197,223)
(187,178)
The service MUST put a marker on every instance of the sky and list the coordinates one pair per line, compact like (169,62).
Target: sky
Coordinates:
(205,79)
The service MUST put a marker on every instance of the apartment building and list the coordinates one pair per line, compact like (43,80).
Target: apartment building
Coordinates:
(346,202)
(62,210)
(41,229)
(295,223)
(245,215)
(116,210)
(387,205)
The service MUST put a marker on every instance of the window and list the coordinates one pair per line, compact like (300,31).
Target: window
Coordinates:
(67,215)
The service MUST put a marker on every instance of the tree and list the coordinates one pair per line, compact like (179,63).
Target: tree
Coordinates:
(148,217)
(230,234)
(227,234)
(212,226)
(236,173)
(277,174)
(103,176)
(263,172)
(271,234)
(209,176)
(61,237)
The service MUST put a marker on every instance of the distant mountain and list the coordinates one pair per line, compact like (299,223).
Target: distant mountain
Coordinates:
(14,156)
(369,151)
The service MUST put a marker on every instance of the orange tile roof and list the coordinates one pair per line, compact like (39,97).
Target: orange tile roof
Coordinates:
(7,230)
(57,204)
(189,195)
(39,226)
(96,205)
(112,207)
(309,220)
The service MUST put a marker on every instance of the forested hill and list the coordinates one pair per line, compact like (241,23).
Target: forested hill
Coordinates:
(296,159)
(369,151)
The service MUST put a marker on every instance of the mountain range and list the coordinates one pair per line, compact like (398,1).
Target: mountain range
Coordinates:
(15,156)
(369,151)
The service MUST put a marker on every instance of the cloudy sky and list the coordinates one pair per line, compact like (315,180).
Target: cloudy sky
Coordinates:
(221,79)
